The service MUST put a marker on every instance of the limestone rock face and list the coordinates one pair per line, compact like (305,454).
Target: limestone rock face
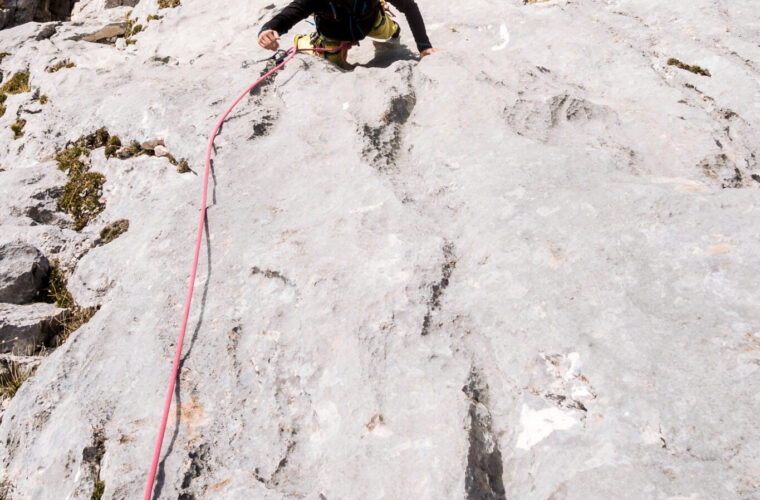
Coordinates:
(23,272)
(523,267)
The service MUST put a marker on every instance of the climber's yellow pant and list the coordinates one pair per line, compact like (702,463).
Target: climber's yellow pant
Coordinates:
(383,29)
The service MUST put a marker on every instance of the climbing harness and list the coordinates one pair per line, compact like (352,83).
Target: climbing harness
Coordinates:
(319,44)
(281,58)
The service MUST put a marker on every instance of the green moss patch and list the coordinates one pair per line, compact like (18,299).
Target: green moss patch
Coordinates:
(43,99)
(3,97)
(154,17)
(82,193)
(697,70)
(112,146)
(81,197)
(18,128)
(3,55)
(17,84)
(113,231)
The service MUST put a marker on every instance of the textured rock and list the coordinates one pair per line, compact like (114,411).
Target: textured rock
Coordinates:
(23,272)
(519,267)
(24,329)
(107,34)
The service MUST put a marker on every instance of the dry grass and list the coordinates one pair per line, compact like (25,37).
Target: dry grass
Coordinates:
(57,293)
(168,4)
(74,318)
(17,84)
(18,128)
(11,381)
(61,65)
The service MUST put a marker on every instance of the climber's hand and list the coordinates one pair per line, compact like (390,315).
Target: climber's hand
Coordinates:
(268,39)
(427,52)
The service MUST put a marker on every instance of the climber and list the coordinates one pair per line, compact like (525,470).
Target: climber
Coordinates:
(341,23)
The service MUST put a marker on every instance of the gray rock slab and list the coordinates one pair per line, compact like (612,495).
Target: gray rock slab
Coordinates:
(519,267)
(107,33)
(23,272)
(24,329)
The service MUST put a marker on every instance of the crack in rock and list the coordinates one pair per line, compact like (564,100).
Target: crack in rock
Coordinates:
(437,289)
(383,141)
(198,464)
(90,468)
(483,476)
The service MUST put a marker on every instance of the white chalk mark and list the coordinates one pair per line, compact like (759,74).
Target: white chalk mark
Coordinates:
(504,33)
(538,424)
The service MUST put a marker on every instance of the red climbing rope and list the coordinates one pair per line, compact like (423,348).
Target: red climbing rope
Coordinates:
(282,59)
(286,57)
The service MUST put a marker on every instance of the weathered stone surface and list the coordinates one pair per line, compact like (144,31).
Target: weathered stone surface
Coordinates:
(23,272)
(24,329)
(543,199)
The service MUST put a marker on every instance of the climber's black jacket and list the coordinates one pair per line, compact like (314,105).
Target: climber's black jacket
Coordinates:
(348,20)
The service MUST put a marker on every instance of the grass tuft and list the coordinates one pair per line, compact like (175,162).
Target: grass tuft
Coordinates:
(61,65)
(100,488)
(113,231)
(168,4)
(56,291)
(11,381)
(697,70)
(17,84)
(82,193)
(81,197)
(112,146)
(74,318)
(18,128)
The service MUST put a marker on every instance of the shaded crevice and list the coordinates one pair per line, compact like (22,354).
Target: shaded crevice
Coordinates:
(198,458)
(383,141)
(437,289)
(92,458)
(273,480)
(263,125)
(483,476)
(40,11)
